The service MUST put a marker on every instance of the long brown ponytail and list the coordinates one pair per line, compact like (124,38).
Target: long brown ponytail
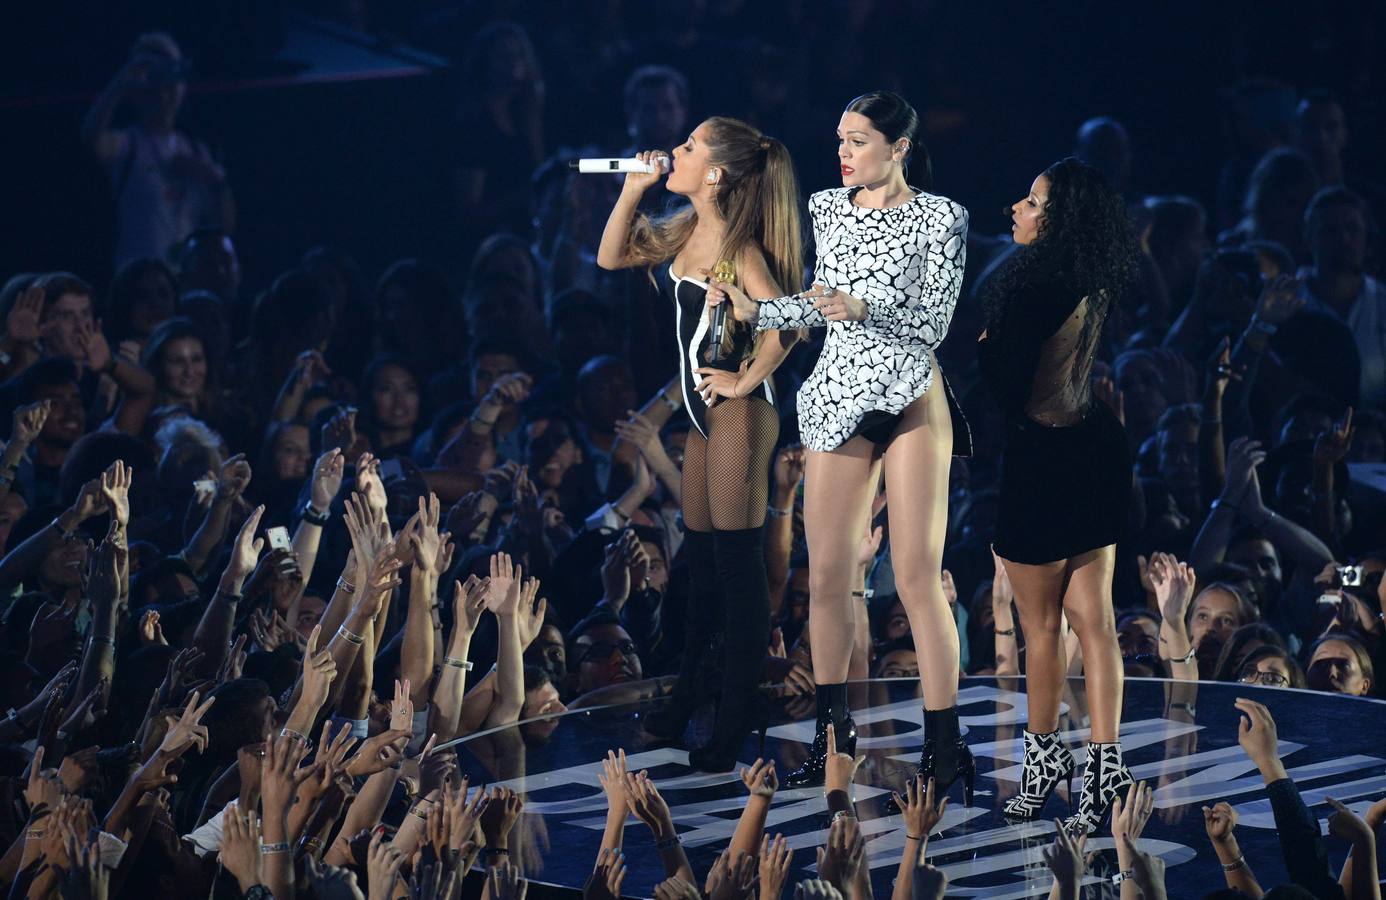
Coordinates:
(758,199)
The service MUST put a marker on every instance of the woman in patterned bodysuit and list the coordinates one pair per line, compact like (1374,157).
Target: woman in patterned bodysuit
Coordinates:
(889,269)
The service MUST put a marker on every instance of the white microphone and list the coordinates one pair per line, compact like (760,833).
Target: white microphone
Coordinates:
(616,166)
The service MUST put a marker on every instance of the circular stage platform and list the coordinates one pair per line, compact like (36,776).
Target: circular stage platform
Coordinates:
(1331,745)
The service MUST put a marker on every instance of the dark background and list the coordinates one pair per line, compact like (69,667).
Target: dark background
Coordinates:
(363,161)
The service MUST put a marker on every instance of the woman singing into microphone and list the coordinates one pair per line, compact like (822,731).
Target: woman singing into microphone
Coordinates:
(890,265)
(743,209)
(1066,469)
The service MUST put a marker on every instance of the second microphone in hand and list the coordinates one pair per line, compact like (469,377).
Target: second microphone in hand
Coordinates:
(724,272)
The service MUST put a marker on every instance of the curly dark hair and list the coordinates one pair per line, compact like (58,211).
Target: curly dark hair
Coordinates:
(1085,242)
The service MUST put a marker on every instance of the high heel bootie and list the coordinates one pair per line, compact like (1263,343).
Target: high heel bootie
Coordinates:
(946,758)
(1047,762)
(1104,777)
(811,773)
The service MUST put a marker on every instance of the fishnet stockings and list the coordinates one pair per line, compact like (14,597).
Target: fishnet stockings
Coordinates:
(726,480)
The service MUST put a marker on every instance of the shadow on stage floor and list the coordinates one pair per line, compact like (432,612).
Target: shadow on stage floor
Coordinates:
(1331,745)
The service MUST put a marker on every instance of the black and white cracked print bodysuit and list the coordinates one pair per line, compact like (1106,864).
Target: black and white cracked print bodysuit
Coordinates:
(906,263)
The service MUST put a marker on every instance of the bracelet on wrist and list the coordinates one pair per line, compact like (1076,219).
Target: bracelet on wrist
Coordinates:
(277,847)
(1235,864)
(346,587)
(299,736)
(420,810)
(1005,632)
(349,636)
(866,594)
(1187,657)
(1119,877)
(102,639)
(668,843)
(776,513)
(497,851)
(668,401)
(35,833)
(915,837)
(463,664)
(1185,707)
(228,596)
(313,517)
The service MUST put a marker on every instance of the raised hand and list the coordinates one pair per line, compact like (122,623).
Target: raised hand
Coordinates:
(731,879)
(1064,858)
(150,630)
(1332,446)
(918,808)
(645,802)
(1219,822)
(502,809)
(818,889)
(789,468)
(1346,824)
(1243,456)
(531,614)
(760,779)
(245,552)
(1257,734)
(328,473)
(22,324)
(612,778)
(840,768)
(1173,583)
(319,669)
(609,874)
(639,182)
(468,603)
(506,883)
(379,752)
(775,858)
(1129,816)
(424,539)
(503,591)
(28,421)
(383,862)
(281,774)
(187,730)
(369,484)
(843,853)
(676,888)
(402,708)
(233,478)
(240,846)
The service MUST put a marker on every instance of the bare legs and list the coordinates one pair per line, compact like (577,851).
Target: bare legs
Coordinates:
(838,487)
(916,472)
(1081,588)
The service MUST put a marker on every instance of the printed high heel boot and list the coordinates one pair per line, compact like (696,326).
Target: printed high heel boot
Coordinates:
(1104,777)
(1047,761)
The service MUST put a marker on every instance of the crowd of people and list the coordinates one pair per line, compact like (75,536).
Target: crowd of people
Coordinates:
(268,548)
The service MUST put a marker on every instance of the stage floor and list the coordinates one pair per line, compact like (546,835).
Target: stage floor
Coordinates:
(1331,745)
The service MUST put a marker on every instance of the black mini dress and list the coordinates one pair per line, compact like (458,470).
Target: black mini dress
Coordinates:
(1066,464)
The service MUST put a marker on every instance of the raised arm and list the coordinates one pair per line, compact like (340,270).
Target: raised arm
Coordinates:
(614,251)
(788,472)
(1174,585)
(214,630)
(468,603)
(416,657)
(327,481)
(1219,821)
(503,597)
(232,481)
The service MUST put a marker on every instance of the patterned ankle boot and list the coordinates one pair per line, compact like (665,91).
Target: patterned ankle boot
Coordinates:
(1104,776)
(1047,762)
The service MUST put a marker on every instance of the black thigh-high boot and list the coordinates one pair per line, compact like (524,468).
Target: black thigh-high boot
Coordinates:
(702,631)
(746,601)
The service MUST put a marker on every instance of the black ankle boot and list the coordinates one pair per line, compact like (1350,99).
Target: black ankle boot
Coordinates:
(746,599)
(946,758)
(701,642)
(831,700)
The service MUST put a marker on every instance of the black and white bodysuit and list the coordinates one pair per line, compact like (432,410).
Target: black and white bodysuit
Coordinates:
(906,262)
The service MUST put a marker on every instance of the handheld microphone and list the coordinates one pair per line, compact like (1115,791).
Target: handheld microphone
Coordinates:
(725,272)
(616,166)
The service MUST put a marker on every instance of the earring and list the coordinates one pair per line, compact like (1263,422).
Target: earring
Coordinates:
(711,176)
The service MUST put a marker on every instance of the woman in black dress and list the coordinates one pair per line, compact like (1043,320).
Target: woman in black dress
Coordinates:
(1066,471)
(743,208)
